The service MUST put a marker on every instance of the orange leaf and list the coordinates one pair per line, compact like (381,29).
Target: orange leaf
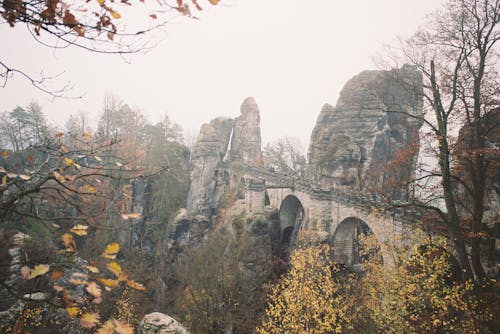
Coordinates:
(56,274)
(68,242)
(134,285)
(214,2)
(115,14)
(4,153)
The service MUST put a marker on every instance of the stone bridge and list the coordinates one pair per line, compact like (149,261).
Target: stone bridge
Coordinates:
(335,216)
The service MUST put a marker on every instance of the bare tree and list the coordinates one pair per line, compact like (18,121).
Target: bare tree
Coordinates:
(455,51)
(104,26)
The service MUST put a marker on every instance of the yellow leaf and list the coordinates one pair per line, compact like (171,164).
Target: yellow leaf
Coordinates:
(68,242)
(39,270)
(86,135)
(68,161)
(94,289)
(111,250)
(121,327)
(72,311)
(107,328)
(115,268)
(79,229)
(134,285)
(109,282)
(115,14)
(93,269)
(89,320)
(4,153)
(78,281)
(101,2)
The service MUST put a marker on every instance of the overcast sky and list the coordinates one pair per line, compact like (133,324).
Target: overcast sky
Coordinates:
(292,56)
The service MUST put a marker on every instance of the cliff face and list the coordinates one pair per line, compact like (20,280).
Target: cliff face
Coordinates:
(355,143)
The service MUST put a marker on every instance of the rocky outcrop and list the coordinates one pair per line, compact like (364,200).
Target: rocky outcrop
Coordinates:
(159,323)
(246,141)
(223,139)
(208,152)
(354,143)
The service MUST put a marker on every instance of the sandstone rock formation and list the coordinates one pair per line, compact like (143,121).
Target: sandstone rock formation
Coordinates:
(208,152)
(354,143)
(241,136)
(246,141)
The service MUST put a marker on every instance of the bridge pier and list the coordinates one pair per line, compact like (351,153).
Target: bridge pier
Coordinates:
(255,196)
(321,219)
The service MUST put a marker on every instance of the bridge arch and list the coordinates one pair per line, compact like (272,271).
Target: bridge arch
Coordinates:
(291,215)
(347,246)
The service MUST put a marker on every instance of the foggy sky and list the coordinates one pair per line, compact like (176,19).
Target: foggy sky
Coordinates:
(292,56)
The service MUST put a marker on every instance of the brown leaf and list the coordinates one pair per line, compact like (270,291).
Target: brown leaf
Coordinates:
(153,16)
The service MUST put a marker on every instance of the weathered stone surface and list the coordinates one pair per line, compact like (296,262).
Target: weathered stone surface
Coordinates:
(159,323)
(246,141)
(353,142)
(208,152)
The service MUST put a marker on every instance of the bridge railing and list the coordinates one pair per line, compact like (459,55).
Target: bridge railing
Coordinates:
(362,201)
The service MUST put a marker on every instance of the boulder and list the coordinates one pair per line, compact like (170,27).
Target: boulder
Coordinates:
(159,323)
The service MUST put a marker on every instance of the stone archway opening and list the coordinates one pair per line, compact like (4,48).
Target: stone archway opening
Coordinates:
(291,218)
(267,200)
(348,247)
